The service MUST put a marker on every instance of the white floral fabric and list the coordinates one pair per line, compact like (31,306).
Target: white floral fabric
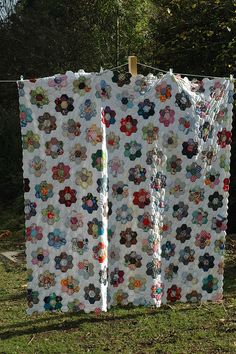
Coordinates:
(126,185)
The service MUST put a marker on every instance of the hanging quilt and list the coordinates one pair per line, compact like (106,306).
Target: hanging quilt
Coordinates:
(126,185)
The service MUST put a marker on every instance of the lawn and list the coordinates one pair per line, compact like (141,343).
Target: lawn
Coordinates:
(207,328)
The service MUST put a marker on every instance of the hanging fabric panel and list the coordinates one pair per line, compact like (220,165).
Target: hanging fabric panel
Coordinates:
(126,185)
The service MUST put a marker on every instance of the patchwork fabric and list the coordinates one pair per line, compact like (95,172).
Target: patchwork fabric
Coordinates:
(126,185)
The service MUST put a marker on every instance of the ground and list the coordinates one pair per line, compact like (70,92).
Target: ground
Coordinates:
(180,329)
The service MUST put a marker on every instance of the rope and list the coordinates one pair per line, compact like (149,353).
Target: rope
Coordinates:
(8,80)
(147,66)
(117,67)
(182,74)
(151,67)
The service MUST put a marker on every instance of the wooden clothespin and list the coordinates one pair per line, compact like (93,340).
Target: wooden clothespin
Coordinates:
(132,61)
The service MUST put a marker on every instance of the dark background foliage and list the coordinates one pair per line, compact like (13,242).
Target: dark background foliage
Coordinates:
(43,37)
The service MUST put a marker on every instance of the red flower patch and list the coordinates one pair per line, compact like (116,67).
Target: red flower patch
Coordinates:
(224,138)
(141,198)
(173,293)
(67,196)
(226,185)
(128,125)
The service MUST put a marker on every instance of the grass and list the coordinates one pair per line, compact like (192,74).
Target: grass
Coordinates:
(180,329)
(12,219)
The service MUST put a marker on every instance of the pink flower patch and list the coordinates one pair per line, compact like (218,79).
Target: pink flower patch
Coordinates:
(167,116)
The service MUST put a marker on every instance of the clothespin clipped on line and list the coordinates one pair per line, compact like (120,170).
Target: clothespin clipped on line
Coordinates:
(231,78)
(173,77)
(21,78)
(101,69)
(132,62)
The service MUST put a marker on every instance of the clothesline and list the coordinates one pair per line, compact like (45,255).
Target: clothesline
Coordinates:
(144,65)
(166,71)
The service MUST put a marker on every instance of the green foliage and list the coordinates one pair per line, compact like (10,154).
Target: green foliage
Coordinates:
(196,37)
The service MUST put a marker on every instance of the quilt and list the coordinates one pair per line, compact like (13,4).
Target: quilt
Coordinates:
(126,184)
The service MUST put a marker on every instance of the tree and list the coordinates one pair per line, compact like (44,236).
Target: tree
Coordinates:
(195,37)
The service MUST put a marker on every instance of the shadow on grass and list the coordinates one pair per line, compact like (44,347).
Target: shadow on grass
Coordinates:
(230,279)
(15,330)
(14,297)
(68,324)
